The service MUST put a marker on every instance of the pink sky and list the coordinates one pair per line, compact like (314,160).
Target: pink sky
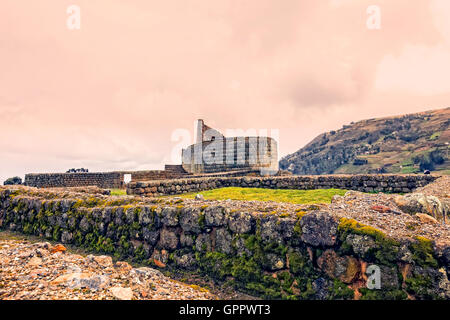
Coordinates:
(110,95)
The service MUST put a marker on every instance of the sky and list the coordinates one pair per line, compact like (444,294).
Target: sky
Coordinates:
(120,91)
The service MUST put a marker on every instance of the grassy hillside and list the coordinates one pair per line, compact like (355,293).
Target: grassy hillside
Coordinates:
(402,144)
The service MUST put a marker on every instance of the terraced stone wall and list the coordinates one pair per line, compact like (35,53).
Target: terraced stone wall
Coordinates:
(301,255)
(363,182)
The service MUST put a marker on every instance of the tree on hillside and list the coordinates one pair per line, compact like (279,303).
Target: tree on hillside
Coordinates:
(13,181)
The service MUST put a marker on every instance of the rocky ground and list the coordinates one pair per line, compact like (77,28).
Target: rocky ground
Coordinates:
(422,213)
(440,188)
(42,271)
(382,212)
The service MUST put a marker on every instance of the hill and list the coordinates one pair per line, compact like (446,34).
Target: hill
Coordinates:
(400,144)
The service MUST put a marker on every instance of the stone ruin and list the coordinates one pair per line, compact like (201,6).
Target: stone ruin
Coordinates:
(213,152)
(213,155)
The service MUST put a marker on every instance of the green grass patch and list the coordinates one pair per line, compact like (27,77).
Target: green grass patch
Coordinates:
(409,170)
(118,192)
(278,195)
(435,136)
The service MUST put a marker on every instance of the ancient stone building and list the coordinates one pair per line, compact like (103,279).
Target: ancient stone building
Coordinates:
(213,152)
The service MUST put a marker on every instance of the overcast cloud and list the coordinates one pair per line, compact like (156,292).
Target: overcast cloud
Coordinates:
(109,96)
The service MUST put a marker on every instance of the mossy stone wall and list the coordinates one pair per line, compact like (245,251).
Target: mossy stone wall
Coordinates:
(312,255)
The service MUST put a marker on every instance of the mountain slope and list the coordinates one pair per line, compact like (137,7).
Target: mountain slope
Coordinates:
(401,144)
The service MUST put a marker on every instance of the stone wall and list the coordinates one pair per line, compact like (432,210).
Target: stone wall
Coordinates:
(153,175)
(308,254)
(364,183)
(51,180)
(178,168)
(111,180)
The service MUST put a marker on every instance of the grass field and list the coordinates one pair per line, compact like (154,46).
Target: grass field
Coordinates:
(278,195)
(118,192)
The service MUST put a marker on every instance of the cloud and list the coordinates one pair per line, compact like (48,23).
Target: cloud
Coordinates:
(419,68)
(429,77)
(109,96)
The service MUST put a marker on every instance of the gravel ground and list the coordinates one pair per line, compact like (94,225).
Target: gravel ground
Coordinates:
(396,224)
(439,188)
(41,271)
